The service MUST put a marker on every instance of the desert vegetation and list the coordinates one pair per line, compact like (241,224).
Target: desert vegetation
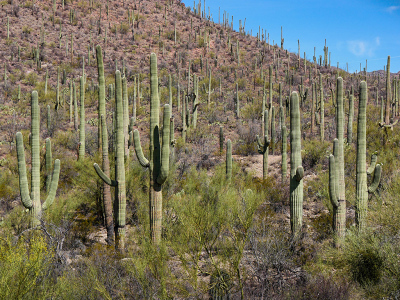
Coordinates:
(150,152)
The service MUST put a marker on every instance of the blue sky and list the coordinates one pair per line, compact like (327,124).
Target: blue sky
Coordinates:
(355,31)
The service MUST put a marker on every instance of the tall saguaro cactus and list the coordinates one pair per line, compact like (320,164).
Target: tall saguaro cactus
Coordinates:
(388,93)
(32,201)
(103,141)
(82,120)
(340,210)
(361,180)
(158,162)
(119,182)
(296,169)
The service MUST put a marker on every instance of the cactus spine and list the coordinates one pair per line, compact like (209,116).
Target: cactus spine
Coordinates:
(296,169)
(263,148)
(158,162)
(32,201)
(361,184)
(119,182)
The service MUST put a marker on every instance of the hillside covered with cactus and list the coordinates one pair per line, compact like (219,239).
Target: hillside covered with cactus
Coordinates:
(148,152)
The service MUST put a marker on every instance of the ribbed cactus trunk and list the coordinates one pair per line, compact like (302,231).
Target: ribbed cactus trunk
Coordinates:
(270,95)
(48,163)
(158,162)
(313,109)
(125,104)
(362,189)
(388,93)
(120,190)
(76,119)
(32,201)
(339,225)
(284,153)
(103,141)
(351,117)
(322,107)
(82,120)
(296,169)
(361,181)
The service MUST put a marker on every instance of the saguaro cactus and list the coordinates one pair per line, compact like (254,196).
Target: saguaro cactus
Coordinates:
(158,162)
(103,141)
(32,201)
(361,184)
(284,153)
(263,148)
(340,211)
(351,117)
(296,169)
(119,182)
(228,159)
(82,120)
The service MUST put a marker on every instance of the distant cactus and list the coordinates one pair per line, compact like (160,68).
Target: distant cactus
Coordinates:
(158,162)
(361,180)
(296,169)
(32,201)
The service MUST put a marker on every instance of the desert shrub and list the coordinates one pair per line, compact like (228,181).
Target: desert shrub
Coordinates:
(246,145)
(315,153)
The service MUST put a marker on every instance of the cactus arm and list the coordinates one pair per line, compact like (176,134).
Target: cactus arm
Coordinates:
(299,173)
(23,179)
(377,178)
(162,176)
(103,176)
(372,166)
(138,150)
(332,178)
(259,144)
(53,185)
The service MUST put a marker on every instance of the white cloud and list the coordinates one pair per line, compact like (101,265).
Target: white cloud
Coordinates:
(358,48)
(378,40)
(392,8)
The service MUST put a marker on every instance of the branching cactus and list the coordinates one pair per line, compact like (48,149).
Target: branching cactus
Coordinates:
(362,189)
(119,182)
(263,146)
(158,162)
(296,169)
(32,202)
